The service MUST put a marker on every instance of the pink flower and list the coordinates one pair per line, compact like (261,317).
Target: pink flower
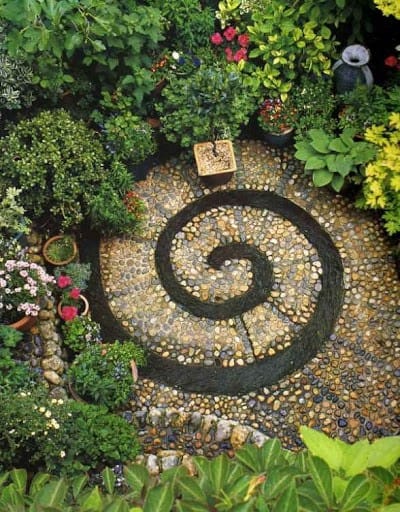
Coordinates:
(68,313)
(64,281)
(229,54)
(229,33)
(74,293)
(217,38)
(240,55)
(244,40)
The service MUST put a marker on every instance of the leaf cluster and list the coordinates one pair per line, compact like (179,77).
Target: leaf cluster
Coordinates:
(331,475)
(102,373)
(333,159)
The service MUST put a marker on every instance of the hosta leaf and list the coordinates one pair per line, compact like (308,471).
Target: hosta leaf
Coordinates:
(344,165)
(338,145)
(19,478)
(93,502)
(52,493)
(314,162)
(337,182)
(322,178)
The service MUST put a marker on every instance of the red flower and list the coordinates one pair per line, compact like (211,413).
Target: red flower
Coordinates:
(68,313)
(244,40)
(74,293)
(229,54)
(391,61)
(217,38)
(229,33)
(240,55)
(64,281)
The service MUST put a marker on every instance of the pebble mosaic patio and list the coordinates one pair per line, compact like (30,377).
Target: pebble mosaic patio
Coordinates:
(307,335)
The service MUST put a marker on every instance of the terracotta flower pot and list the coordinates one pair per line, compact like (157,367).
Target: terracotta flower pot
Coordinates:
(83,311)
(24,324)
(64,261)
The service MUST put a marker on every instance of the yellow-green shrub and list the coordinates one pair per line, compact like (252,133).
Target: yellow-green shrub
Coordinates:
(381,187)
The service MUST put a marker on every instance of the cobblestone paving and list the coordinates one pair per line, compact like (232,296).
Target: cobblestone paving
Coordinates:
(349,389)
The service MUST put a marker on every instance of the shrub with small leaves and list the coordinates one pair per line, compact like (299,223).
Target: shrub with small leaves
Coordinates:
(103,373)
(80,332)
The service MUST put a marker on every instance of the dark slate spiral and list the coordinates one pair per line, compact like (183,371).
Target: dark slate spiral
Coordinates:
(305,343)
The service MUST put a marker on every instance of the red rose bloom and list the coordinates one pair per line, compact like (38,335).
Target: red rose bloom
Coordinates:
(240,55)
(229,54)
(74,293)
(229,33)
(68,313)
(391,61)
(64,281)
(244,40)
(217,38)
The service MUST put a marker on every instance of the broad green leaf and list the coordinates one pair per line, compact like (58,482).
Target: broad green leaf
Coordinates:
(289,501)
(355,457)
(339,486)
(191,506)
(173,475)
(12,496)
(191,490)
(320,145)
(239,489)
(382,474)
(136,477)
(277,481)
(344,164)
(314,162)
(78,483)
(271,454)
(19,478)
(322,178)
(4,477)
(109,479)
(394,507)
(159,499)
(307,504)
(330,450)
(338,145)
(218,472)
(357,490)
(249,456)
(319,139)
(93,502)
(52,493)
(117,505)
(337,182)
(322,478)
(384,452)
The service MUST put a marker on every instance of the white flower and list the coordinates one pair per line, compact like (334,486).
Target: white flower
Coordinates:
(175,55)
(62,454)
(48,414)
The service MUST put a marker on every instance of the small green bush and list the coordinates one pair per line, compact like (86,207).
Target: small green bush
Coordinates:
(102,373)
(80,332)
(57,163)
(42,433)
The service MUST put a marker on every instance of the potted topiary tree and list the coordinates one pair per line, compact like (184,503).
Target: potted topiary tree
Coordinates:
(207,109)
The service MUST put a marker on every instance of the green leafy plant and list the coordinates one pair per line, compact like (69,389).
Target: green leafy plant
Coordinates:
(381,187)
(315,103)
(276,116)
(78,272)
(14,374)
(103,373)
(367,106)
(70,43)
(80,332)
(61,436)
(211,103)
(12,213)
(117,209)
(331,475)
(288,41)
(333,160)
(129,138)
(57,163)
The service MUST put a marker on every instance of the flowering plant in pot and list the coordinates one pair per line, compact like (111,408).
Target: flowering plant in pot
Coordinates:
(71,281)
(276,119)
(233,43)
(22,286)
